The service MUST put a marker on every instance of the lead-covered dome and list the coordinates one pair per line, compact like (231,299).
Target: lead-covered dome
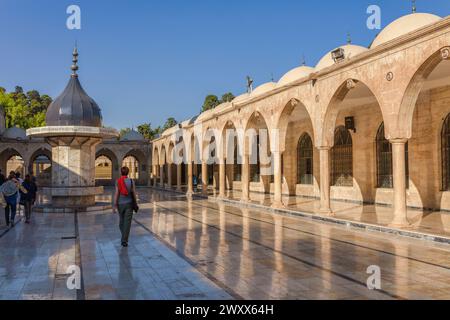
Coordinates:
(404,25)
(132,135)
(74,107)
(15,133)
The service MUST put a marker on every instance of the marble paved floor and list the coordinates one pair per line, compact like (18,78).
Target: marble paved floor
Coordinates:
(432,222)
(204,249)
(265,256)
(34,260)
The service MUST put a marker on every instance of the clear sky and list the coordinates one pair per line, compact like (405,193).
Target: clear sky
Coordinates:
(147,60)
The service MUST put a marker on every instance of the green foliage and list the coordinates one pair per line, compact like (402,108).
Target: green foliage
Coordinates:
(147,131)
(24,110)
(123,132)
(211,101)
(169,123)
(227,97)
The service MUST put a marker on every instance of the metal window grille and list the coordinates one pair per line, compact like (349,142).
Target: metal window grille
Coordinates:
(384,161)
(305,160)
(342,158)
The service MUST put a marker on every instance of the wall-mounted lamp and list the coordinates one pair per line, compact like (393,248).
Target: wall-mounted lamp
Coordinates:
(350,124)
(338,55)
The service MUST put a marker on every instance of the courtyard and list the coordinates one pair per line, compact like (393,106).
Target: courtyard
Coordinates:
(196,248)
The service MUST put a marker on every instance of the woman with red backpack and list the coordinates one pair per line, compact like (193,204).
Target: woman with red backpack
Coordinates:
(125,203)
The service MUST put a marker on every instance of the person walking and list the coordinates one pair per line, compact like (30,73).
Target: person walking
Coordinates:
(28,199)
(125,203)
(18,178)
(10,189)
(2,178)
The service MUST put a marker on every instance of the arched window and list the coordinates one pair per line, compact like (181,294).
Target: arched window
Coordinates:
(445,145)
(342,158)
(305,160)
(384,161)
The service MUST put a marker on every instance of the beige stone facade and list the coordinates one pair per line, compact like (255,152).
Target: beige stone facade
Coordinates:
(31,150)
(402,81)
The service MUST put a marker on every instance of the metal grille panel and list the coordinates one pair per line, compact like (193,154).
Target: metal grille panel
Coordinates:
(305,160)
(342,158)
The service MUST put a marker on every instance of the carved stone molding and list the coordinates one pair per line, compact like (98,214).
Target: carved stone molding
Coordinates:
(294,102)
(351,84)
(445,53)
(389,76)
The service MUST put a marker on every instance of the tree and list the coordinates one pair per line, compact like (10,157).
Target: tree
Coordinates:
(18,89)
(147,131)
(124,131)
(211,101)
(171,122)
(227,97)
(24,110)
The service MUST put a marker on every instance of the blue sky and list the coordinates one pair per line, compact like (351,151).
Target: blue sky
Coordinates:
(145,60)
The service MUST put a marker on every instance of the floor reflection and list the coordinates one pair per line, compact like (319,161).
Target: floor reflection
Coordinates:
(266,256)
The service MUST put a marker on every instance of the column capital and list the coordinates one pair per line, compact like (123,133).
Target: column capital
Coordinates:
(398,140)
(324,148)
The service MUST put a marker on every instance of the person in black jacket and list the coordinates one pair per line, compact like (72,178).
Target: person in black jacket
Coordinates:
(28,199)
(2,178)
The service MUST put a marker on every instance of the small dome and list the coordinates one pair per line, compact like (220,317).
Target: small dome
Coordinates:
(133,135)
(404,25)
(350,50)
(264,88)
(15,133)
(241,97)
(171,130)
(74,107)
(204,115)
(295,74)
(222,107)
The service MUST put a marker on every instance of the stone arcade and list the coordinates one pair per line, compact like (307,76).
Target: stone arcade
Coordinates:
(396,93)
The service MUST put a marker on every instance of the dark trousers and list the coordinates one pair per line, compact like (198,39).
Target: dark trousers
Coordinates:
(28,205)
(126,217)
(11,208)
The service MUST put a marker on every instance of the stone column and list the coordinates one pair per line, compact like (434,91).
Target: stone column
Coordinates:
(245,178)
(399,176)
(179,176)
(190,186)
(169,175)
(155,176)
(204,177)
(222,178)
(161,175)
(325,203)
(277,203)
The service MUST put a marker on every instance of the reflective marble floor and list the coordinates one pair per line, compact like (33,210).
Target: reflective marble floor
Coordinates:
(424,221)
(204,249)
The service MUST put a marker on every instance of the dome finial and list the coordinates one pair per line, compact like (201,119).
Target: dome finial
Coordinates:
(303,60)
(349,38)
(414,8)
(74,66)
